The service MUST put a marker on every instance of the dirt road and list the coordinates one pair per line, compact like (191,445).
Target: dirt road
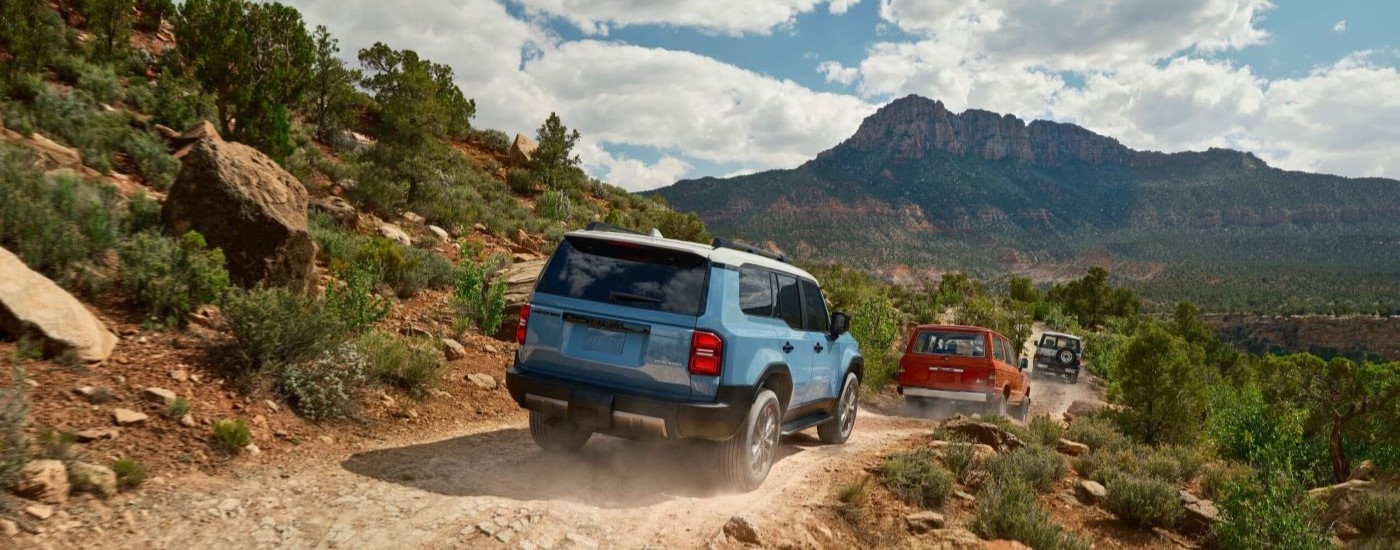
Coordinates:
(490,487)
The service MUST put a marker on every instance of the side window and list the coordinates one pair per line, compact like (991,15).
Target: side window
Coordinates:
(789,301)
(1008,353)
(813,308)
(998,350)
(756,292)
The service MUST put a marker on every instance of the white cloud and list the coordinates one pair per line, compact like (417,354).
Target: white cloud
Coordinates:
(1344,119)
(835,72)
(633,174)
(731,17)
(1080,34)
(1340,27)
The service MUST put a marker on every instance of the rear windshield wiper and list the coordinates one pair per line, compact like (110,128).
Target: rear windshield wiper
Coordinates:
(628,297)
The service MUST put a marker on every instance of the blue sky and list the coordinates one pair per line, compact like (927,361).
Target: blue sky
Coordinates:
(668,89)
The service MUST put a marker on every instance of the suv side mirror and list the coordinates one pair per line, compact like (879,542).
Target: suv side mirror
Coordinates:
(840,324)
(1025,363)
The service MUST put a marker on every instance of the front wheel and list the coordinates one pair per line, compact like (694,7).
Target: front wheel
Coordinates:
(746,458)
(557,435)
(839,429)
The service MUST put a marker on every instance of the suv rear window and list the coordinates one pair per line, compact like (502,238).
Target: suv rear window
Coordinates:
(627,274)
(966,344)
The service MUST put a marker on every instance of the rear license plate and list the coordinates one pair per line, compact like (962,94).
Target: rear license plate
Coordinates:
(604,341)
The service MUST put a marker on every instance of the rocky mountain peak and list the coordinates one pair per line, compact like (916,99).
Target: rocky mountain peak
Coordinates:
(913,126)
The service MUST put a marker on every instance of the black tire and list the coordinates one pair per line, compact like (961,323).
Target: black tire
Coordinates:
(557,435)
(1074,378)
(746,458)
(1023,411)
(996,406)
(839,429)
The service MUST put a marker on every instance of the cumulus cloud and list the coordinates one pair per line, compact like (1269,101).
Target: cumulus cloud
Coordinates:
(1340,26)
(730,17)
(835,72)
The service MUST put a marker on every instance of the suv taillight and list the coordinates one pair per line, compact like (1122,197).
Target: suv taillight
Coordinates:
(706,353)
(992,379)
(524,322)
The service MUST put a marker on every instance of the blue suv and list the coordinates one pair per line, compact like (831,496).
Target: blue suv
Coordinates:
(644,337)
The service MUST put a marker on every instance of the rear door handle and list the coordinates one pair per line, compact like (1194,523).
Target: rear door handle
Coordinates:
(787,347)
(819,347)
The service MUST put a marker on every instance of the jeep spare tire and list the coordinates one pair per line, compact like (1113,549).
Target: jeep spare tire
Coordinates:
(1065,356)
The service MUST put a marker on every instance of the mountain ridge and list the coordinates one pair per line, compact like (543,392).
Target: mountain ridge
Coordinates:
(920,186)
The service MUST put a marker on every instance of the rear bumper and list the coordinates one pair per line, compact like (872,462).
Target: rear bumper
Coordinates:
(1056,368)
(608,411)
(949,395)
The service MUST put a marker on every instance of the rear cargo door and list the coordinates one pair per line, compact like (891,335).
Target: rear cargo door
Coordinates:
(947,360)
(617,314)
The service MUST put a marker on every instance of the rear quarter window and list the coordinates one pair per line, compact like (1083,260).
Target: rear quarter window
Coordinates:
(627,274)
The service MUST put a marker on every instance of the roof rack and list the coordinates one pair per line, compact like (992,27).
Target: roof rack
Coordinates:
(600,226)
(720,242)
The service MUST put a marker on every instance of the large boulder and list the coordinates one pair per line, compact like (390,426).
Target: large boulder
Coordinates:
(1081,409)
(985,433)
(32,304)
(522,150)
(520,284)
(43,480)
(244,203)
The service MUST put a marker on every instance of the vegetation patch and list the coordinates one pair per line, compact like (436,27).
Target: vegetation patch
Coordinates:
(1143,502)
(917,478)
(171,277)
(232,435)
(1007,510)
(1038,467)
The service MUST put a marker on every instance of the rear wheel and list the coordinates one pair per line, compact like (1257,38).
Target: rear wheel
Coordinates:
(557,435)
(839,429)
(996,405)
(1074,378)
(1023,411)
(746,458)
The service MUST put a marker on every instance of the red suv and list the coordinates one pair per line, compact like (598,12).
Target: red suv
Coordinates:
(968,364)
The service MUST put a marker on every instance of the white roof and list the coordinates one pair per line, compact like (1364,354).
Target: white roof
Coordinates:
(729,256)
(1060,334)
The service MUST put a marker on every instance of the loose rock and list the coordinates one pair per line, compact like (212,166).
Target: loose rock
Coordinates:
(39,511)
(1365,471)
(1081,409)
(483,381)
(453,349)
(1200,515)
(127,417)
(159,395)
(440,233)
(394,233)
(43,480)
(1071,448)
(99,480)
(94,434)
(925,521)
(9,528)
(741,529)
(30,303)
(1090,492)
(985,433)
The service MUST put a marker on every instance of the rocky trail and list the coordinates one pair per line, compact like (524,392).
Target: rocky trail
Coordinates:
(485,484)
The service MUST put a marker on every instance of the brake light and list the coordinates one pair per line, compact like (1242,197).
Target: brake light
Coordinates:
(706,353)
(992,379)
(524,321)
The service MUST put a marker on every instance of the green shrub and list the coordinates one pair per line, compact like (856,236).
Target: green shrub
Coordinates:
(413,365)
(59,226)
(172,277)
(153,163)
(325,388)
(480,297)
(1102,466)
(354,302)
(555,205)
(1272,513)
(1143,502)
(130,473)
(1377,514)
(851,498)
(1038,467)
(1045,431)
(173,101)
(232,435)
(960,456)
(521,181)
(100,81)
(1007,510)
(14,409)
(917,478)
(275,326)
(1189,460)
(56,445)
(75,118)
(142,214)
(1098,433)
(340,248)
(178,408)
(406,270)
(495,141)
(1218,477)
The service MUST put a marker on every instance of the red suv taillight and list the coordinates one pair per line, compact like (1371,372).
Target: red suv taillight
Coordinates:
(706,353)
(524,321)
